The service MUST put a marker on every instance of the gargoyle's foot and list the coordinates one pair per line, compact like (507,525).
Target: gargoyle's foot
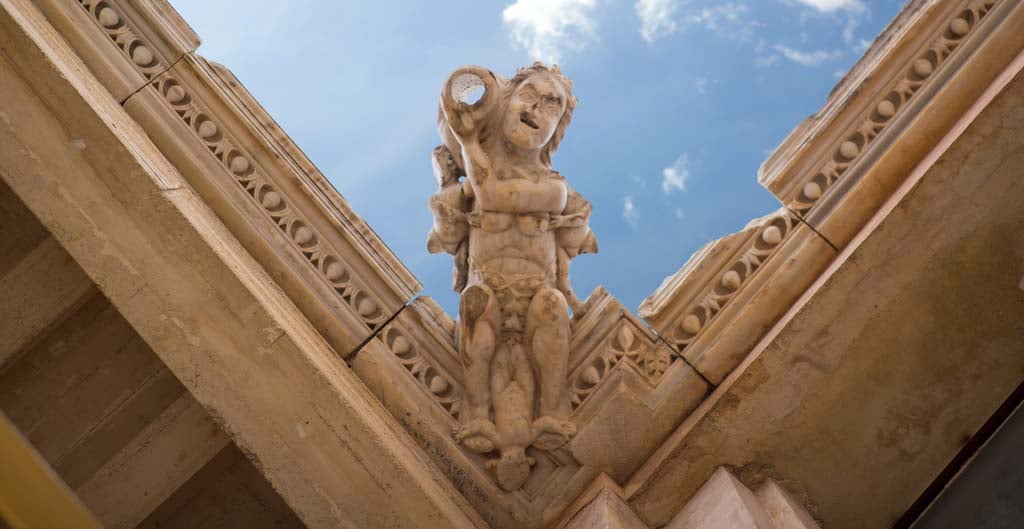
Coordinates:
(512,468)
(477,435)
(552,433)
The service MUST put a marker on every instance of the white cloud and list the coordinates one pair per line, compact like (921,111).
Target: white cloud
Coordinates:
(728,20)
(657,18)
(702,85)
(629,210)
(547,28)
(675,177)
(806,58)
(850,30)
(830,6)
(766,60)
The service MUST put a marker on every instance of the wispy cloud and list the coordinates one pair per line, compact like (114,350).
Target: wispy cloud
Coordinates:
(806,58)
(546,29)
(702,85)
(657,18)
(675,176)
(831,6)
(629,211)
(728,20)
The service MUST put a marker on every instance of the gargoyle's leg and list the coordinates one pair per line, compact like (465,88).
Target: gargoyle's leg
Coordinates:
(478,314)
(548,332)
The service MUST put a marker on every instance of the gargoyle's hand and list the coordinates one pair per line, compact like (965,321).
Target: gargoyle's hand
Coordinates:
(578,307)
(460,119)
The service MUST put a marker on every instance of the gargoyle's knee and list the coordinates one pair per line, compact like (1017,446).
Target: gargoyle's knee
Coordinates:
(548,305)
(476,301)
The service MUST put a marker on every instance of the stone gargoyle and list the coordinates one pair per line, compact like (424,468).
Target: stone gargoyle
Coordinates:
(512,224)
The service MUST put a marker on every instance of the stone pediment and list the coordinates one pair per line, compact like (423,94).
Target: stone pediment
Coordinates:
(637,385)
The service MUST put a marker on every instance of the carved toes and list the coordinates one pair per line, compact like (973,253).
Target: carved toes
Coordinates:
(477,435)
(552,433)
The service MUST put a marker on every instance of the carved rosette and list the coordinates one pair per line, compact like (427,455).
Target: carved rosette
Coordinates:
(626,343)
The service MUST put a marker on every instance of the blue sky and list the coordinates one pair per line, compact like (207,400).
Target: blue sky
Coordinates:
(680,102)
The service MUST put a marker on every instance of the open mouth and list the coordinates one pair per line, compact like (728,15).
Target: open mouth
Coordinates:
(525,118)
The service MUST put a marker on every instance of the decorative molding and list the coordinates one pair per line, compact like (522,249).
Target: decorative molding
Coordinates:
(349,266)
(687,302)
(251,177)
(650,358)
(414,368)
(442,388)
(120,30)
(802,194)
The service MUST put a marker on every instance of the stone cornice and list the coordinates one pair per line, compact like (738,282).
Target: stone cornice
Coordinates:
(148,36)
(715,308)
(832,173)
(835,169)
(991,55)
(231,151)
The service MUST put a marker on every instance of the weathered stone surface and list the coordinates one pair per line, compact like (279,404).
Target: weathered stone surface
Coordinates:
(165,261)
(125,44)
(730,293)
(274,200)
(29,310)
(513,225)
(723,501)
(606,511)
(894,357)
(891,110)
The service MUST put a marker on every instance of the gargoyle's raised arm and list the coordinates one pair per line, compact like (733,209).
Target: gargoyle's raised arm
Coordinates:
(465,121)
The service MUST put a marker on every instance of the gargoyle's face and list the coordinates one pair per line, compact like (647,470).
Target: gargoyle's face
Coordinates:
(533,112)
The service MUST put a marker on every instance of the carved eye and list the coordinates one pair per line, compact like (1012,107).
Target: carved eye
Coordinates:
(528,95)
(552,104)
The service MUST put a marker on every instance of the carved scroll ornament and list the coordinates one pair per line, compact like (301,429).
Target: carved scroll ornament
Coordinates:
(512,224)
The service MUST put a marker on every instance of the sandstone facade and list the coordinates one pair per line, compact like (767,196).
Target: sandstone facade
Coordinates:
(198,331)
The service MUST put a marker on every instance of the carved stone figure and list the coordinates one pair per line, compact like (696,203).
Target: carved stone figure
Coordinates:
(512,224)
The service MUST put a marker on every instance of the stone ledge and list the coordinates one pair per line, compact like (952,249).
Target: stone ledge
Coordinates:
(730,293)
(124,43)
(836,169)
(313,245)
(232,152)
